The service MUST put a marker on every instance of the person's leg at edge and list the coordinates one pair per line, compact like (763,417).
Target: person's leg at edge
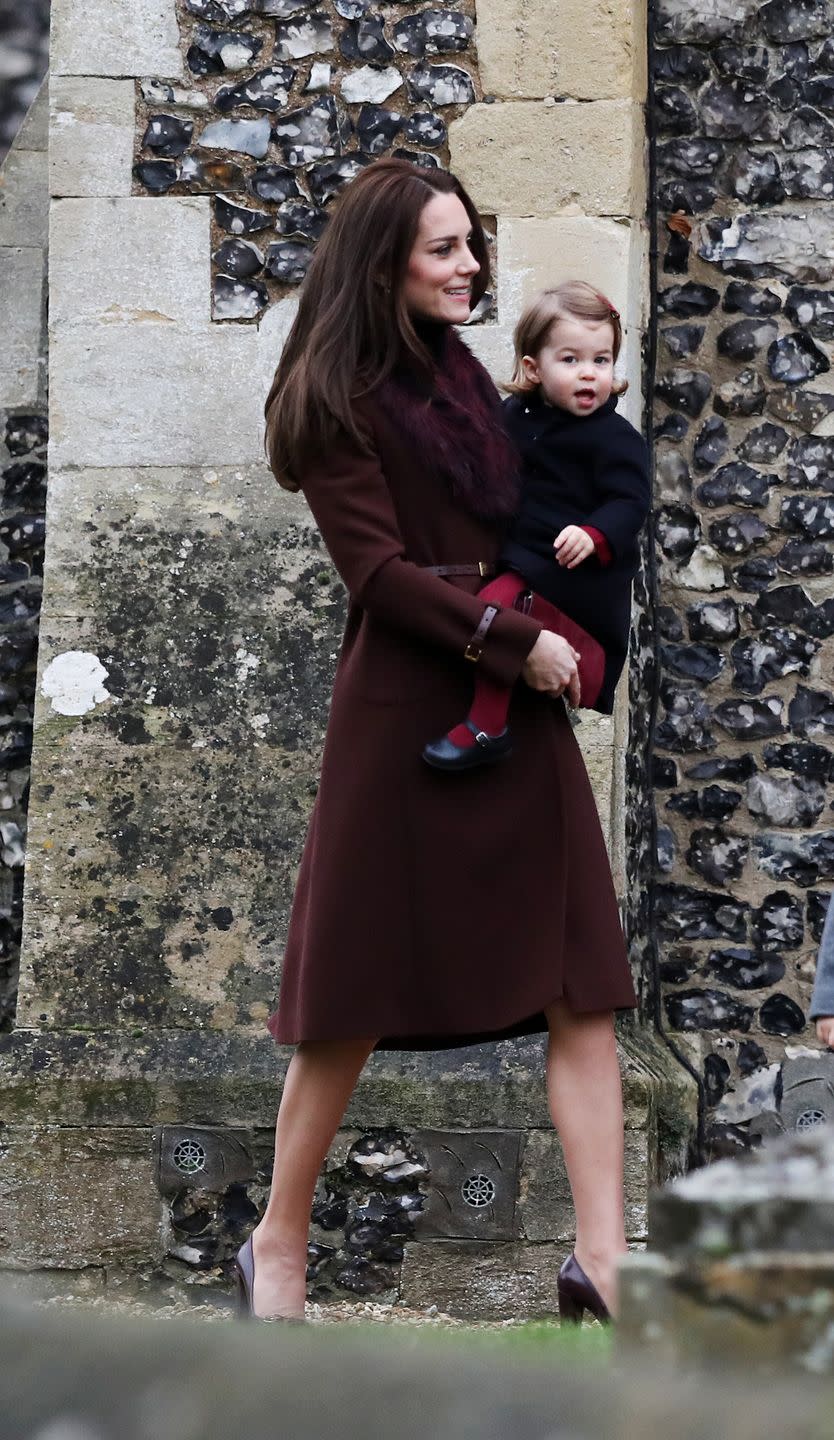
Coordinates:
(320,1080)
(585,1096)
(491,700)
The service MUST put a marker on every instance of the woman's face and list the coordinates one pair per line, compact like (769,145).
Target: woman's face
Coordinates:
(438,280)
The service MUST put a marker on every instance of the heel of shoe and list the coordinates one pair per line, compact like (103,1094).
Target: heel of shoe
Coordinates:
(243,1304)
(571,1309)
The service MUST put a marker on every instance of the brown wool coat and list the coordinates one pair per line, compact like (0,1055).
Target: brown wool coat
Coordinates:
(431,909)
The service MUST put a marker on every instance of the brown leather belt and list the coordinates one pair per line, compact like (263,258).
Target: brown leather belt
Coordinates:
(475,648)
(472,567)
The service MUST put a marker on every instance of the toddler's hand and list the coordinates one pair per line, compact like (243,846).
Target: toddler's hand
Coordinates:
(825,1031)
(573,545)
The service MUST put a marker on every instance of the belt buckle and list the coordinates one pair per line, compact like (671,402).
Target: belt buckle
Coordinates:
(484,569)
(472,652)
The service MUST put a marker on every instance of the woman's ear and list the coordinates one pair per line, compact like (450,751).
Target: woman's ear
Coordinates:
(530,366)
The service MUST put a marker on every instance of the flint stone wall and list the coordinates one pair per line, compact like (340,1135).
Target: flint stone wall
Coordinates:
(742,654)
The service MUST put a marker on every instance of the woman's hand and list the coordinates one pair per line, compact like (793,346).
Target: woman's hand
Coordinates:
(825,1025)
(551,666)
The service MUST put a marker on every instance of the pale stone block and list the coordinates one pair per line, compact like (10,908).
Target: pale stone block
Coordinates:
(135,260)
(530,158)
(493,346)
(115,37)
(91,135)
(483,1281)
(154,394)
(21,317)
(34,132)
(71,1198)
(24,198)
(588,49)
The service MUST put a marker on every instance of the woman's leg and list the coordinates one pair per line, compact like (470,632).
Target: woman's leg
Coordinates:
(319,1083)
(586,1105)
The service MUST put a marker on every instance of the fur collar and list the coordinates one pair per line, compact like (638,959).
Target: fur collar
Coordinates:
(457,424)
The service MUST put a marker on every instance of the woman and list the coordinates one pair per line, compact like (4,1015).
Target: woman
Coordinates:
(428,915)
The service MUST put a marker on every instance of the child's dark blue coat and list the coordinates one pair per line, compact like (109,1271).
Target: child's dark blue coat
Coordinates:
(580,470)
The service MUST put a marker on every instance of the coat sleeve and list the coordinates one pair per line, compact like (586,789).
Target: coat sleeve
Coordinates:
(822,999)
(623,478)
(353,508)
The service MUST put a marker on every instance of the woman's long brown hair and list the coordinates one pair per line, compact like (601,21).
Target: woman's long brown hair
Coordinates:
(352,326)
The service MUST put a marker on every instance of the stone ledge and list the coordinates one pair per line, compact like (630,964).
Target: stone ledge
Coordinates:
(91,135)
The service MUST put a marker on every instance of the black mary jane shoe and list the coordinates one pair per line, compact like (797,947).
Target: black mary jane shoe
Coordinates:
(245,1279)
(443,754)
(577,1294)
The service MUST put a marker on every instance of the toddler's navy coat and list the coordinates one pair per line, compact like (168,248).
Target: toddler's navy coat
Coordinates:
(580,470)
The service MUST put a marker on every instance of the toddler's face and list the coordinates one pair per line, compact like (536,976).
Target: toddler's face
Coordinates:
(575,366)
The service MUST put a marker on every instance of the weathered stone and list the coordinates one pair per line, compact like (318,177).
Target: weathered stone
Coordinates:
(763,444)
(808,515)
(703,572)
(813,310)
(738,534)
(735,484)
(215,51)
(750,1057)
(669,623)
(125,37)
(161,92)
(688,300)
(805,859)
(774,652)
(664,772)
(91,135)
(743,969)
(686,390)
(545,1207)
(809,174)
(716,802)
(811,712)
(690,157)
(790,802)
(745,395)
(288,261)
(593,50)
(785,21)
(676,257)
(751,719)
(370,84)
(778,923)
(681,63)
(666,849)
(248,137)
(672,427)
(714,20)
(674,112)
(200,175)
(491,1280)
(690,196)
(750,299)
(818,903)
(365,39)
(680,967)
(687,724)
(711,444)
(299,220)
(274,182)
(239,219)
(425,129)
(707,1010)
(716,856)
(314,132)
(239,258)
(310,34)
(168,134)
(797,246)
(677,531)
(267,89)
(673,482)
(157,176)
(551,156)
(234,299)
(780,1015)
(746,338)
(441,85)
(329,177)
(813,761)
(735,110)
(807,127)
(682,340)
(377,128)
(795,357)
(716,1078)
(756,179)
(694,662)
(805,408)
(433,32)
(786,604)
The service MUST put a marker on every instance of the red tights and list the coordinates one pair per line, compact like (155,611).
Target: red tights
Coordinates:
(492,701)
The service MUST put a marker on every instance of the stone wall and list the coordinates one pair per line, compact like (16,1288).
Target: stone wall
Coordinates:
(741,752)
(24,47)
(23,431)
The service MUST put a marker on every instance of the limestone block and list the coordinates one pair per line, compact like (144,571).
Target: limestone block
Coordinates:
(590,51)
(34,132)
(493,345)
(159,883)
(545,1206)
(115,37)
(134,260)
(483,1281)
(22,367)
(71,1198)
(91,135)
(530,158)
(173,396)
(24,198)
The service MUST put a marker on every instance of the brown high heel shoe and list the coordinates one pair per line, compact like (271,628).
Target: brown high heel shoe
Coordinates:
(577,1294)
(245,1279)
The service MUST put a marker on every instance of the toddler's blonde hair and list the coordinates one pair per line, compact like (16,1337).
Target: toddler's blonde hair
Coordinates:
(572,300)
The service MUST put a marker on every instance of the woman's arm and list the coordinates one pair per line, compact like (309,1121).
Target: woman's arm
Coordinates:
(352,505)
(822,999)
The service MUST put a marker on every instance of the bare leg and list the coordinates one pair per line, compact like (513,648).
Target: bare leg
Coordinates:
(586,1105)
(319,1083)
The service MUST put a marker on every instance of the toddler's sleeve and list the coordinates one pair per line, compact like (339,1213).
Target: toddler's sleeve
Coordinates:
(623,480)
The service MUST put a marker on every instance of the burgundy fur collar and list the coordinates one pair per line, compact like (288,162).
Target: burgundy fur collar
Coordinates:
(457,424)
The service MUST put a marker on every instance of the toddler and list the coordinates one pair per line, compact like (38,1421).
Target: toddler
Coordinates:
(571,552)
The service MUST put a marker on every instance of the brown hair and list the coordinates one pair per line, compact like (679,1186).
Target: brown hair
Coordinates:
(574,300)
(352,325)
